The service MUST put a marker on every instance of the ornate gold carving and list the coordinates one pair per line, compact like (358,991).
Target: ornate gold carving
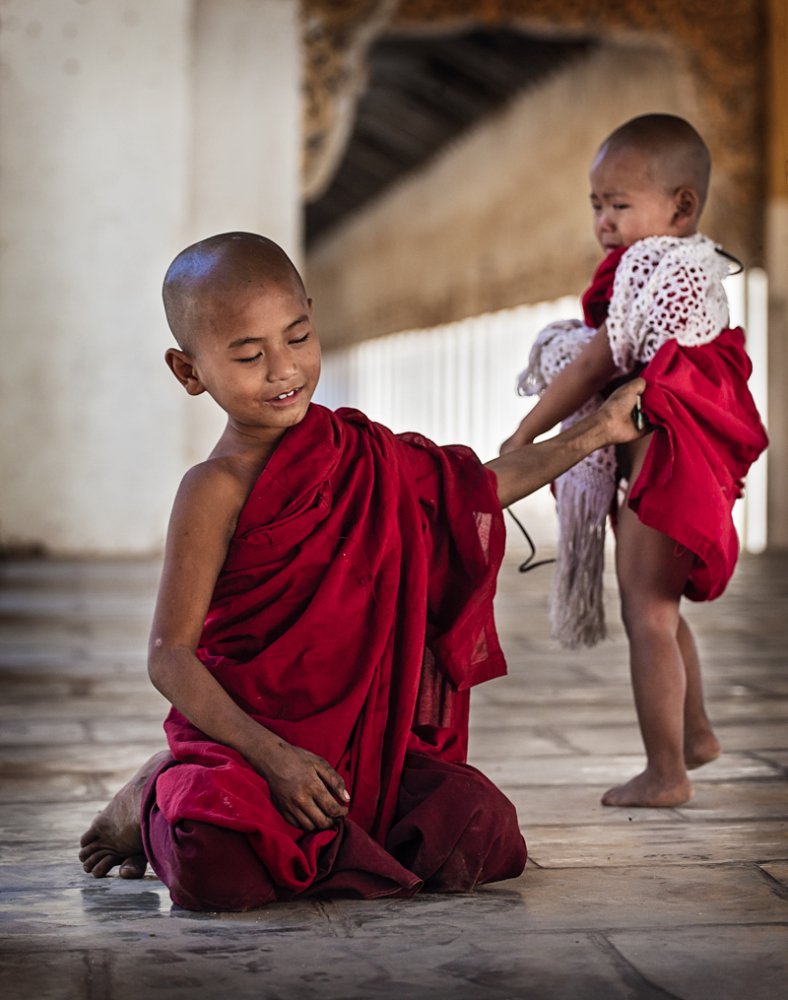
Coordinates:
(723,44)
(336,35)
(725,48)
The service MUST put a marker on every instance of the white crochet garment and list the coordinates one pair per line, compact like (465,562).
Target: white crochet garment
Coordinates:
(664,287)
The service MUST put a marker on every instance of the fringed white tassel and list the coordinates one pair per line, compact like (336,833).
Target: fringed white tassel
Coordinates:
(584,495)
(577,610)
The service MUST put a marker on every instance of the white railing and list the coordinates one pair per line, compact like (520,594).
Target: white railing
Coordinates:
(455,383)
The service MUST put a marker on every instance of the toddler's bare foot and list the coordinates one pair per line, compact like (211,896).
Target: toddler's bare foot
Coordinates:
(114,837)
(647,790)
(700,749)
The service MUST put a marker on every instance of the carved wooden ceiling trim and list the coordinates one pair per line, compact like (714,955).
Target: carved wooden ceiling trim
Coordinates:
(336,35)
(724,45)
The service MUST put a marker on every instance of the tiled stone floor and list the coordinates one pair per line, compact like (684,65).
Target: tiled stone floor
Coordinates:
(687,903)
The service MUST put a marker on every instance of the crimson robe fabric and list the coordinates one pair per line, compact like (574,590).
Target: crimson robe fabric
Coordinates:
(352,616)
(707,434)
(596,298)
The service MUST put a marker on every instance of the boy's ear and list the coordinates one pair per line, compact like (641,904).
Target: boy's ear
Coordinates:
(182,367)
(687,204)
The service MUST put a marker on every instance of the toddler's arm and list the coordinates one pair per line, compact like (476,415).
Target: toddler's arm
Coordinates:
(586,375)
(306,789)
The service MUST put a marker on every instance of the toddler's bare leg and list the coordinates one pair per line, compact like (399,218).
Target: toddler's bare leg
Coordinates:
(651,575)
(700,744)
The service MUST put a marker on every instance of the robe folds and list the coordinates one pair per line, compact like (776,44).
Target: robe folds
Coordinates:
(707,435)
(351,618)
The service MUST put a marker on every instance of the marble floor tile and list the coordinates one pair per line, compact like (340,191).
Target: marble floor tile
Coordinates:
(724,963)
(636,904)
(642,843)
(734,736)
(737,800)
(777,870)
(597,769)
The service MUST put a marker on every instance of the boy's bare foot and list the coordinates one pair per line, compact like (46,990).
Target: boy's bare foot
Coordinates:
(701,749)
(646,790)
(113,837)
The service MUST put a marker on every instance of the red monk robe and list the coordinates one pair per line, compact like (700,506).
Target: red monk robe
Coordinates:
(707,434)
(351,617)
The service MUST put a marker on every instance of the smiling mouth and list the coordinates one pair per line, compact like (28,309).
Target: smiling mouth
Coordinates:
(286,395)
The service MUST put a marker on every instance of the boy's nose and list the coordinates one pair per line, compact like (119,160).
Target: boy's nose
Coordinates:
(281,365)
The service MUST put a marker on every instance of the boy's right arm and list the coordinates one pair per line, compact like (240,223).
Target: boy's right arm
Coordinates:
(306,789)
(586,375)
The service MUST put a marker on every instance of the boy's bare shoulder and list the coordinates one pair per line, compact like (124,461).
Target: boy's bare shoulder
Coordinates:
(214,491)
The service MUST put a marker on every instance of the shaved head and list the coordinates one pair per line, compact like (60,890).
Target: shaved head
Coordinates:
(676,155)
(220,273)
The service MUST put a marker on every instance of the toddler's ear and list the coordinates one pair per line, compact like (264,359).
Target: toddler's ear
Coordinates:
(687,205)
(182,367)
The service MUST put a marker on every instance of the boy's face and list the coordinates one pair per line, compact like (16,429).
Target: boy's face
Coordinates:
(259,358)
(628,200)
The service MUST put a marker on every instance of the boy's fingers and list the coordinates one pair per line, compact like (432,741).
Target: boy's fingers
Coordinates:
(327,808)
(300,817)
(314,808)
(334,782)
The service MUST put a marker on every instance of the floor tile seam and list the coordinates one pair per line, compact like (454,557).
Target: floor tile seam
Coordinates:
(88,742)
(629,972)
(754,754)
(779,888)
(94,788)
(31,943)
(658,863)
(706,780)
(656,824)
(60,800)
(751,863)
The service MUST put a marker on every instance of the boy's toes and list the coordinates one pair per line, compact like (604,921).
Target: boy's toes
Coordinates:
(133,867)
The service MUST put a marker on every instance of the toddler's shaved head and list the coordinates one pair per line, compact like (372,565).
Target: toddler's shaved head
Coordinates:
(675,153)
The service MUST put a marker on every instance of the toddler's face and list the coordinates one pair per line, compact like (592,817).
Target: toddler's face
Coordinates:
(628,200)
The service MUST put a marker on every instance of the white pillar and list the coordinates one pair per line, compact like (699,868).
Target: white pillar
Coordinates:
(245,143)
(126,130)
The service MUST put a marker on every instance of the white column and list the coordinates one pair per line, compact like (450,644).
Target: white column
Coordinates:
(245,142)
(126,130)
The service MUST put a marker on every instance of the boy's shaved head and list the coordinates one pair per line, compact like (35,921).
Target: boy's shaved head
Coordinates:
(217,272)
(677,156)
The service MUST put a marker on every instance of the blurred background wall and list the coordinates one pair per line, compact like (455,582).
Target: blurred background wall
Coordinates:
(424,162)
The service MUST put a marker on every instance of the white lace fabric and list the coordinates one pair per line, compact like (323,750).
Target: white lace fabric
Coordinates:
(666,287)
(584,495)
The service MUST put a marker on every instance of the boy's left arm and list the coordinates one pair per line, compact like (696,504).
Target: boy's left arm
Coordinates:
(524,470)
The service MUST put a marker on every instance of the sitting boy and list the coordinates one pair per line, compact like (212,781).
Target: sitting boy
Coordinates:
(325,606)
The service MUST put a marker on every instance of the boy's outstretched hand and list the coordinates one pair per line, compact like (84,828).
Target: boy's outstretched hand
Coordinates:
(523,470)
(625,419)
(305,788)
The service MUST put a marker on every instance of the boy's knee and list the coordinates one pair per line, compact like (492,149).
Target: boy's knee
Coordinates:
(457,829)
(210,868)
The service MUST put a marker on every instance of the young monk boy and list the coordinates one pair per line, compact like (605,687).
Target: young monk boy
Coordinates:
(325,606)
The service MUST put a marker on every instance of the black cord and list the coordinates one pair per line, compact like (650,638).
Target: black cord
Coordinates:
(528,565)
(730,257)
